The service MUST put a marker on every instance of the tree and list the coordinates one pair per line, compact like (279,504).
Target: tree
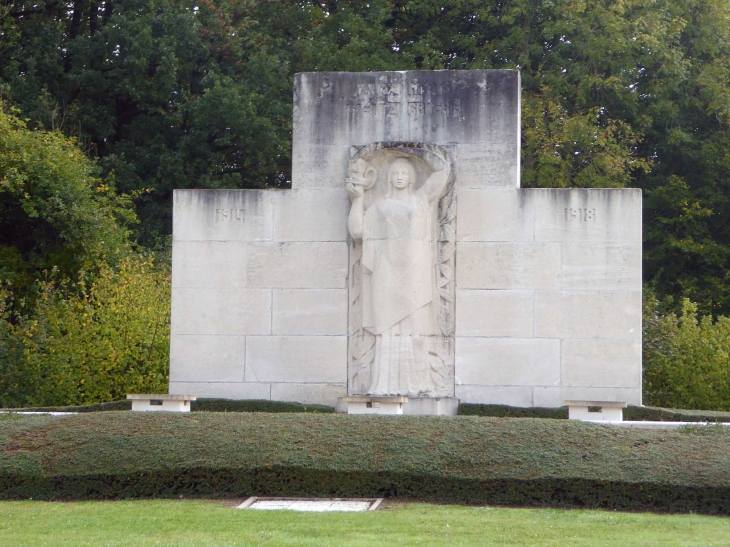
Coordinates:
(56,215)
(182,94)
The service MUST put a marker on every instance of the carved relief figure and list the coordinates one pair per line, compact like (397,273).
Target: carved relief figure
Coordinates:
(398,271)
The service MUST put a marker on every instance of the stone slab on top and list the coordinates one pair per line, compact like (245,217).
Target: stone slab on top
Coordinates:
(476,114)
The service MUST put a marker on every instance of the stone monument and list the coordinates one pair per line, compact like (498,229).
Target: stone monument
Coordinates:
(406,267)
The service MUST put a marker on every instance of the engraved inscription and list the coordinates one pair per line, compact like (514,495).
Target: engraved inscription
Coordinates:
(386,99)
(580,214)
(223,215)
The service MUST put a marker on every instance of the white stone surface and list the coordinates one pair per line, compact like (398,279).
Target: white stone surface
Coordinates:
(192,260)
(224,390)
(315,506)
(601,363)
(312,359)
(505,265)
(631,396)
(211,358)
(385,408)
(494,313)
(495,395)
(310,215)
(542,287)
(398,239)
(588,314)
(310,311)
(507,361)
(595,413)
(222,215)
(319,166)
(322,394)
(488,165)
(548,397)
(160,402)
(494,215)
(587,215)
(304,265)
(221,311)
(477,110)
(601,266)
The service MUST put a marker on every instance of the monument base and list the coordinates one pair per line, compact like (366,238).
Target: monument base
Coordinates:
(399,405)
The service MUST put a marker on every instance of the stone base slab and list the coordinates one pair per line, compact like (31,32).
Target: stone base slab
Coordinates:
(158,402)
(373,405)
(413,406)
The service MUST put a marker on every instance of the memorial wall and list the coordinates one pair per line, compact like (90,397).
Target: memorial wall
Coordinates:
(406,261)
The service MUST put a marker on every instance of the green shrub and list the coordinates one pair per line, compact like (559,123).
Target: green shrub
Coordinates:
(461,459)
(686,358)
(79,345)
(505,411)
(229,405)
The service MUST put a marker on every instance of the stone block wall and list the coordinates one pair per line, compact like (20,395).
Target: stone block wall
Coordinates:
(548,298)
(548,282)
(259,294)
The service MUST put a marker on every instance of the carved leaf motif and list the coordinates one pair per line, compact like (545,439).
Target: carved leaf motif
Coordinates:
(361,347)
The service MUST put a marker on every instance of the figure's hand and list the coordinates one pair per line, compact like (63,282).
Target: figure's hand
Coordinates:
(354,190)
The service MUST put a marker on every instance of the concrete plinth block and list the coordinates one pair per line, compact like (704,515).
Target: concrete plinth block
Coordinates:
(157,402)
(374,405)
(605,411)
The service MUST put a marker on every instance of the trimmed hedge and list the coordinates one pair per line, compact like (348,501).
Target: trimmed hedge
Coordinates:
(207,405)
(505,411)
(460,459)
(633,413)
(229,405)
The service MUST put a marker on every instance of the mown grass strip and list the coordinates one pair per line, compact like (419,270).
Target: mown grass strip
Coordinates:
(461,459)
(170,523)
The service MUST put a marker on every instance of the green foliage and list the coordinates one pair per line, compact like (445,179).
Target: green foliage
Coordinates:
(80,345)
(55,212)
(463,459)
(632,413)
(170,94)
(228,405)
(506,411)
(686,358)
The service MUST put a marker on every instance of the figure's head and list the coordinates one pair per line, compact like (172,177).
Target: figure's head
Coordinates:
(401,174)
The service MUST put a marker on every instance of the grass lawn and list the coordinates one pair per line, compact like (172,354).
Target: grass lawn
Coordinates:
(204,523)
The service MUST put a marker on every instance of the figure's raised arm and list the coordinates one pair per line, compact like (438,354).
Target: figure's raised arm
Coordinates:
(360,176)
(435,186)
